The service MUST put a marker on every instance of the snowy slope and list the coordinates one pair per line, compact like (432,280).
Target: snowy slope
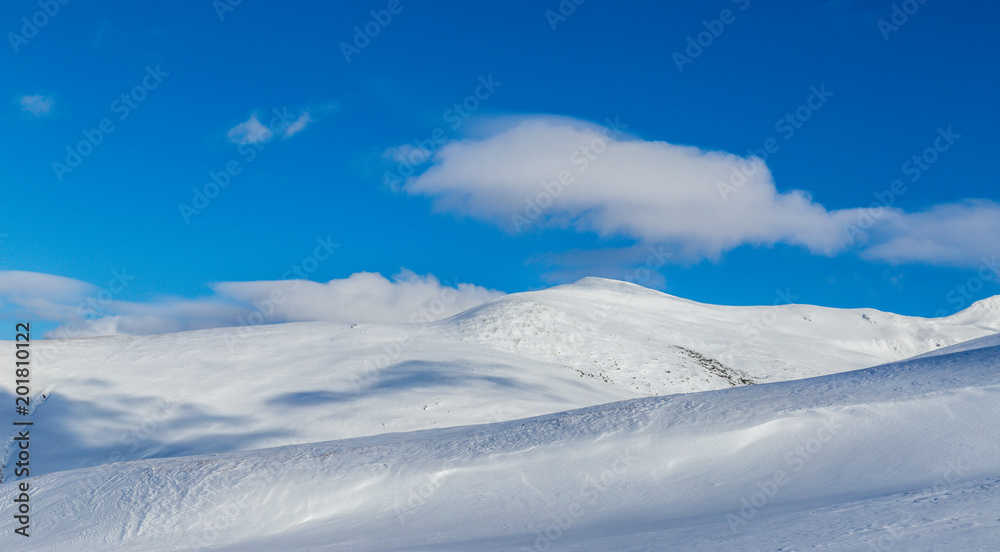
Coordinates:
(619,331)
(593,342)
(903,456)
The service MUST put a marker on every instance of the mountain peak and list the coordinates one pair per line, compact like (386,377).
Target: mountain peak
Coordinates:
(597,281)
(608,284)
(990,304)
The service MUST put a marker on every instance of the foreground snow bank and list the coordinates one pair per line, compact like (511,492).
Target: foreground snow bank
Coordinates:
(903,455)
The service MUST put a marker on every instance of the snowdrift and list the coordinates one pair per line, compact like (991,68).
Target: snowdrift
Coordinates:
(904,455)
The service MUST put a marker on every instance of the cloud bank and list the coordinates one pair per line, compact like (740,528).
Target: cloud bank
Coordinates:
(953,234)
(557,172)
(44,296)
(363,297)
(86,310)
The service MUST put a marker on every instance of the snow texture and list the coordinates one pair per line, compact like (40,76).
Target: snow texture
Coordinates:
(594,416)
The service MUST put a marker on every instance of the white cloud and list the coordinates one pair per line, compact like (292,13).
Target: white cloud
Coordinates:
(298,125)
(364,297)
(164,316)
(703,203)
(251,131)
(653,191)
(37,105)
(42,296)
(955,234)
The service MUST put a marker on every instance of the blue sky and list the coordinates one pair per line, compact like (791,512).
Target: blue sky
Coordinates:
(490,101)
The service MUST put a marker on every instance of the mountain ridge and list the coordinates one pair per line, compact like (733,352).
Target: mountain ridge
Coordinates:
(522,355)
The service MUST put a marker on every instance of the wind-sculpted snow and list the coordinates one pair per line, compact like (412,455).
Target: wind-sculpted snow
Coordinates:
(903,456)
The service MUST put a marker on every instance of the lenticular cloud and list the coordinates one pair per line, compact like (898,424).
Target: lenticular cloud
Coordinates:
(555,172)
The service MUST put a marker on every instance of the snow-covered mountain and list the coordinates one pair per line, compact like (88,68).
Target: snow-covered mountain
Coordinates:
(481,431)
(902,456)
(527,354)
